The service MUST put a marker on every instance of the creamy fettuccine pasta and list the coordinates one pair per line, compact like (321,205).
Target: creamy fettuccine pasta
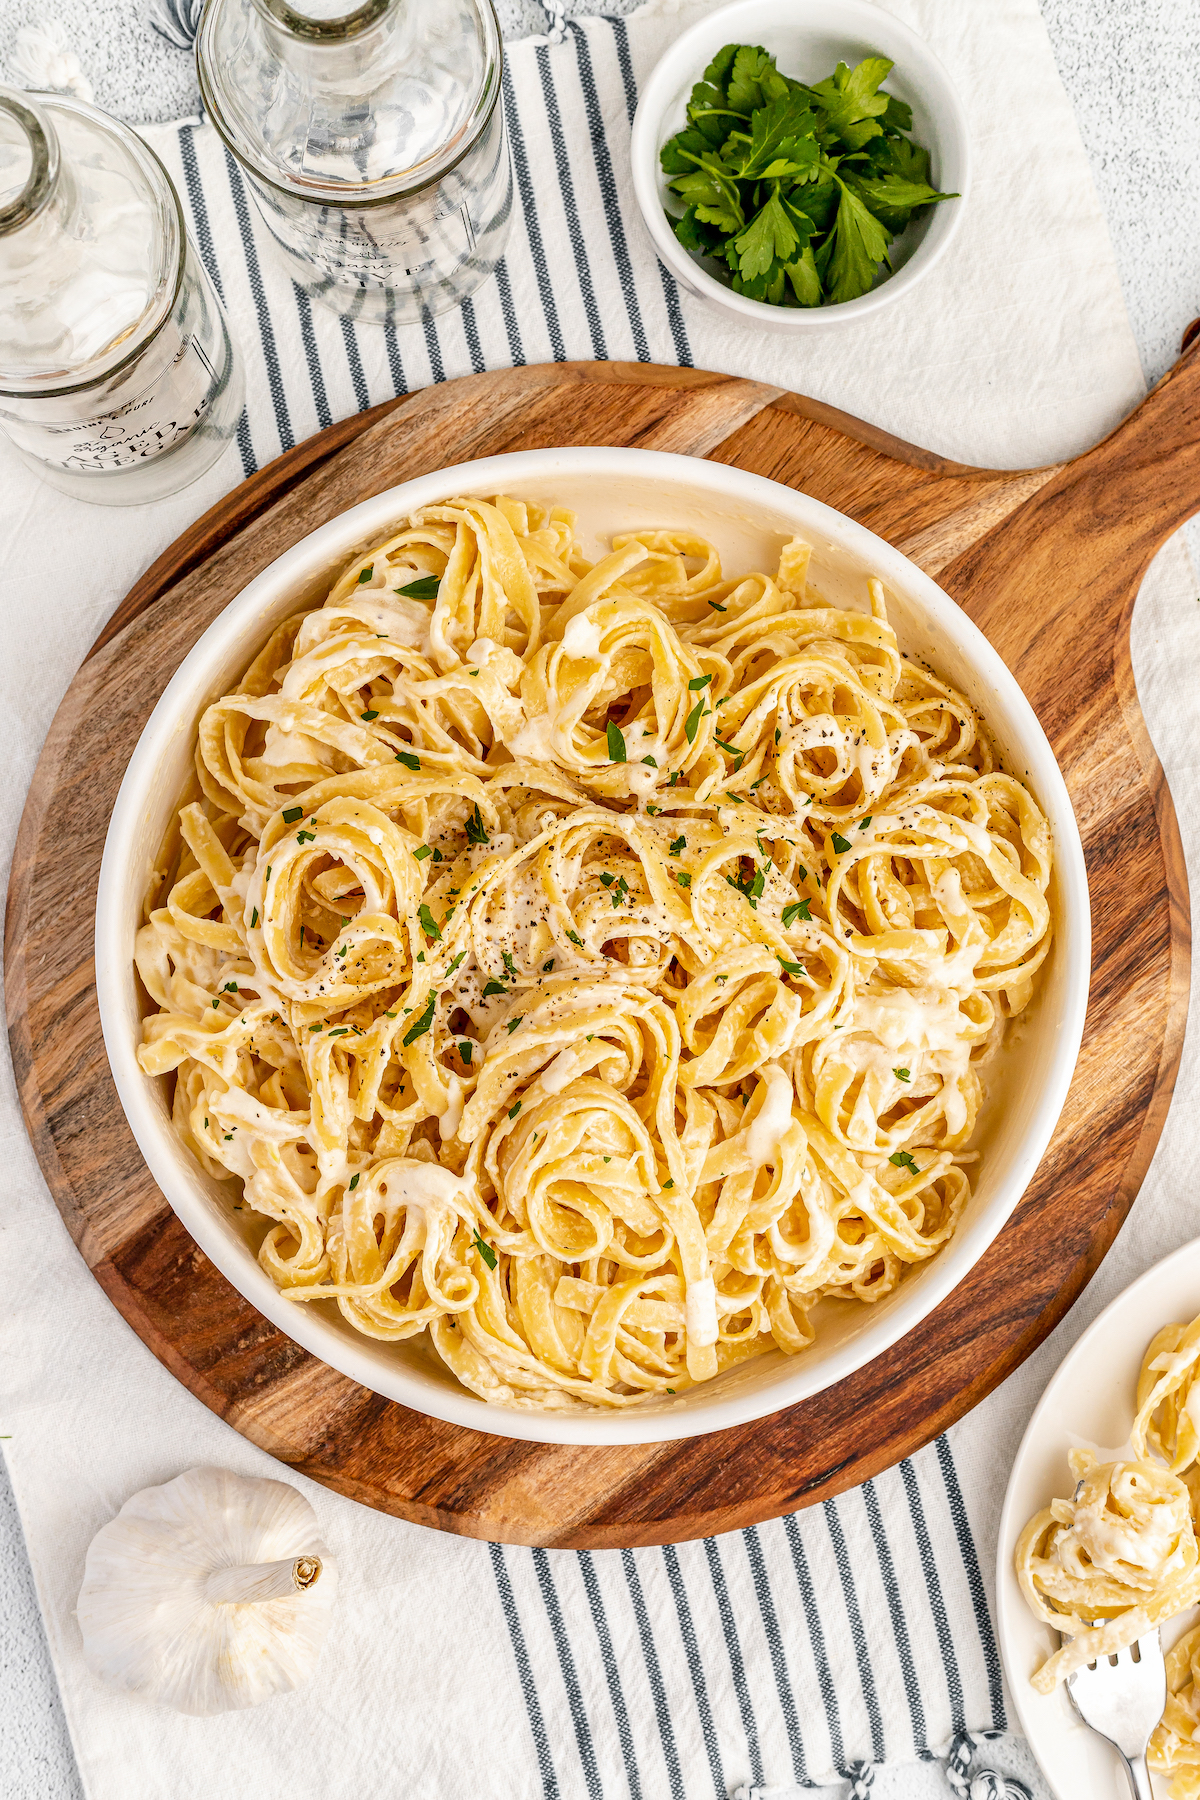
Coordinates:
(590,966)
(1121,1556)
(1110,1563)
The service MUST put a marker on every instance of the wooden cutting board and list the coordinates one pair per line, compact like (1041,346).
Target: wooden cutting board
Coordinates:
(1048,562)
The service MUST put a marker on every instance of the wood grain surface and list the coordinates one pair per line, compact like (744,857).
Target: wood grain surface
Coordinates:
(1047,561)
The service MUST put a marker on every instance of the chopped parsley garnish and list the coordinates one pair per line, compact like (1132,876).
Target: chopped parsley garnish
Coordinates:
(902,1074)
(254,918)
(485,1250)
(231,987)
(465,1049)
(422,851)
(506,957)
(790,968)
(698,682)
(366,574)
(619,893)
(305,837)
(691,724)
(460,958)
(799,909)
(668,1183)
(606,878)
(408,759)
(685,881)
(494,987)
(425,588)
(369,715)
(547,966)
(510,1025)
(576,940)
(428,924)
(476,832)
(616,743)
(902,1160)
(292,813)
(649,762)
(840,844)
(717,607)
(863,823)
(269,866)
(340,1031)
(353,1183)
(679,844)
(421,1023)
(514,1109)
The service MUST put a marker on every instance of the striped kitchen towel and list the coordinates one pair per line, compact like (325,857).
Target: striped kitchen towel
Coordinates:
(801,1652)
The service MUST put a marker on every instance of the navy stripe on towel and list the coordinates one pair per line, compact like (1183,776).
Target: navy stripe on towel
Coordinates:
(525,1674)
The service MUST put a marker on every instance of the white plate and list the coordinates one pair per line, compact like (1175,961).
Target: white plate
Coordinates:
(1088,1405)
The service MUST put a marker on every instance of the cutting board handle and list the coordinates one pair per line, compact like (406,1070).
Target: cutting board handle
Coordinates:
(1073,555)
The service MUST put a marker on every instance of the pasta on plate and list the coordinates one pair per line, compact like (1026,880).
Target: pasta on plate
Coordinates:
(592,966)
(1121,1556)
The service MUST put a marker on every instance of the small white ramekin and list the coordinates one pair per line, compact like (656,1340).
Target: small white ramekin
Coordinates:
(808,38)
(748,518)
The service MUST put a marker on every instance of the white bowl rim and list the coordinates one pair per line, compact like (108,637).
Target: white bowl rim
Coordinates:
(156,1140)
(645,146)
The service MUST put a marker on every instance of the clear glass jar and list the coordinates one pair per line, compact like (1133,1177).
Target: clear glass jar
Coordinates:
(373,143)
(119,382)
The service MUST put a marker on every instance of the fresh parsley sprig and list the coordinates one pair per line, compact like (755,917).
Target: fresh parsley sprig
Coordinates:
(794,194)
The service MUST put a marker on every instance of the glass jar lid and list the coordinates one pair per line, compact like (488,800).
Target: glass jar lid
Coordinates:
(91,244)
(349,106)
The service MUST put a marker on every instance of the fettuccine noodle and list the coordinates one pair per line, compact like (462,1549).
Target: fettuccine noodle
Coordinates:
(1121,1556)
(591,966)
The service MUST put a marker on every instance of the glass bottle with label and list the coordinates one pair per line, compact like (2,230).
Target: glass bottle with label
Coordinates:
(372,140)
(118,378)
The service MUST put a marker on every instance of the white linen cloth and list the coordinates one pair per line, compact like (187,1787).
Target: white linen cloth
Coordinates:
(859,1631)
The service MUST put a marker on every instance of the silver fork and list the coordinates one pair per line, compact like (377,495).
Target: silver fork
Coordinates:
(1122,1697)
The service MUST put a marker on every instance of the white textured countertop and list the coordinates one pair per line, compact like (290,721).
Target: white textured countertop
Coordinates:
(1129,67)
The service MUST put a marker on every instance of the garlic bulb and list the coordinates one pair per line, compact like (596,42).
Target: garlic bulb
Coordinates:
(207,1594)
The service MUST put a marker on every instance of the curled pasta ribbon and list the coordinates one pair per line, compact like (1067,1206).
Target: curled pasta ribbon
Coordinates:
(591,965)
(1174,1748)
(1109,1564)
(1168,1397)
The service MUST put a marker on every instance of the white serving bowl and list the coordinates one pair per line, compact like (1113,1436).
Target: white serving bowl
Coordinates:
(748,518)
(808,38)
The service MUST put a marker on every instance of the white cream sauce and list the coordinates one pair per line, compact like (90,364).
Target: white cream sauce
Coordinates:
(700,1312)
(582,637)
(765,1132)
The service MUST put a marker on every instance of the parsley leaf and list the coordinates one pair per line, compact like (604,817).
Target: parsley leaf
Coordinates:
(692,723)
(902,1160)
(485,1250)
(428,924)
(476,830)
(797,910)
(424,589)
(840,844)
(616,743)
(421,1023)
(855,249)
(902,1074)
(408,759)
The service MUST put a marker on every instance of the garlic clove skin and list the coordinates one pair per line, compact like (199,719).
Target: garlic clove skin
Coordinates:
(153,1625)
